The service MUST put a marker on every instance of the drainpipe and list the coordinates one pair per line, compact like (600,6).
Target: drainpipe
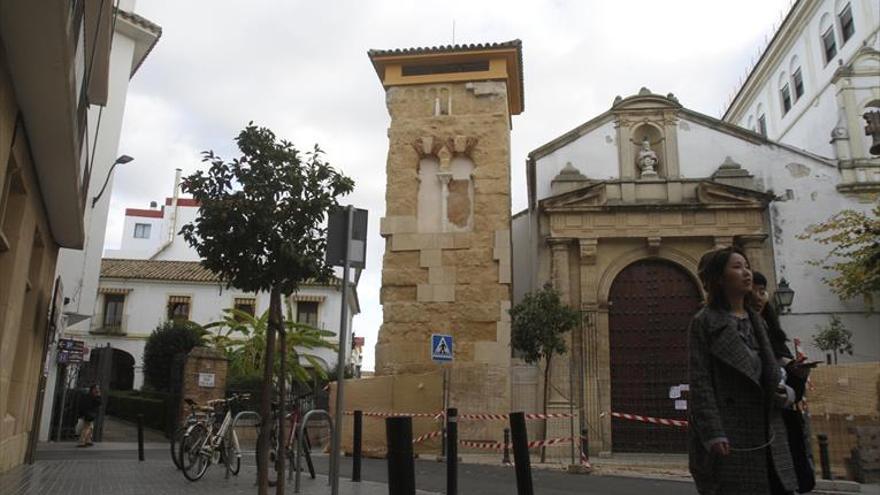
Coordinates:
(172,228)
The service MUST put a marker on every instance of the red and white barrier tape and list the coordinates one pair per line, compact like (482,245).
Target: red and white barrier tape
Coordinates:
(585,461)
(502,417)
(436,415)
(427,436)
(500,446)
(649,419)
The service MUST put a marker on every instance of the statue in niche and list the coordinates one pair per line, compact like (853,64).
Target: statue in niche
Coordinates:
(647,160)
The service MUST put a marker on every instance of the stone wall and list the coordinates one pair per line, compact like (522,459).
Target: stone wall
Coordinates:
(206,361)
(455,281)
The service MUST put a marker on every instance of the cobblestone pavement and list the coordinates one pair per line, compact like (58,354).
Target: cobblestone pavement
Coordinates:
(125,477)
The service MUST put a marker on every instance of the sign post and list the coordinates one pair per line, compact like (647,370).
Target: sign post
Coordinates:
(346,247)
(442,352)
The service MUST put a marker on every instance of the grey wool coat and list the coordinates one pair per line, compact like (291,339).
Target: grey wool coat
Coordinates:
(727,399)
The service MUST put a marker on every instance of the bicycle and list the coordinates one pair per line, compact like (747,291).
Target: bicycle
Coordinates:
(293,419)
(211,442)
(196,413)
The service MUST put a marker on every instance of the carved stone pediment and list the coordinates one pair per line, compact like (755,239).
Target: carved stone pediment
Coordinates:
(593,195)
(714,193)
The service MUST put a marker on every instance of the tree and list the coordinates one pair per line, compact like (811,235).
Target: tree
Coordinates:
(834,338)
(538,326)
(242,338)
(164,343)
(262,227)
(855,253)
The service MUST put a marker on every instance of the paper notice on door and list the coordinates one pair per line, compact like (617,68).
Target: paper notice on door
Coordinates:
(681,405)
(684,387)
(674,392)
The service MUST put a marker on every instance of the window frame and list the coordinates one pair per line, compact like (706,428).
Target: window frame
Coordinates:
(797,79)
(144,228)
(829,51)
(114,299)
(846,34)
(300,312)
(762,125)
(170,307)
(240,302)
(785,97)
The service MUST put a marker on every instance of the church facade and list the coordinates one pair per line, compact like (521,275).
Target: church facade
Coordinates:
(620,210)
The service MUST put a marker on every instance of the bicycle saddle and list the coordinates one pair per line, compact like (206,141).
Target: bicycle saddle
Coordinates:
(189,401)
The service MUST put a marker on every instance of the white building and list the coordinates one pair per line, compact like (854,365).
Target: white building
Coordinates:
(155,276)
(133,39)
(817,77)
(810,89)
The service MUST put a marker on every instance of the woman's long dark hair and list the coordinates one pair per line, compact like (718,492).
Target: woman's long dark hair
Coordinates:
(711,273)
(775,333)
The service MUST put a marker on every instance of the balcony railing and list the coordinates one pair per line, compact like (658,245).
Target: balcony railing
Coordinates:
(117,326)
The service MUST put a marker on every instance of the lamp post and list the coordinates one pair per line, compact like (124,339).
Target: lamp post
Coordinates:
(784,296)
(123,159)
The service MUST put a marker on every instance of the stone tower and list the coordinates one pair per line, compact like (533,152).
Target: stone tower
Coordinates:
(446,267)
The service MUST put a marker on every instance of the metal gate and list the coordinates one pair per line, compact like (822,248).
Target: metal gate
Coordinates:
(651,304)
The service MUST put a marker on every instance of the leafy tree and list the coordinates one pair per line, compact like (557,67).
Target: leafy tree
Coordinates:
(834,338)
(538,326)
(168,340)
(855,253)
(242,338)
(262,228)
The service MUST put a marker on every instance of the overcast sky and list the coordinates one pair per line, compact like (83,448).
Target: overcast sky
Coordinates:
(301,69)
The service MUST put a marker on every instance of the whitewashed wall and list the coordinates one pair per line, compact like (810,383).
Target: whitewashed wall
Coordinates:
(593,154)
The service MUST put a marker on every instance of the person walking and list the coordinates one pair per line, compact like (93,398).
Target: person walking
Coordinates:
(737,442)
(88,411)
(795,371)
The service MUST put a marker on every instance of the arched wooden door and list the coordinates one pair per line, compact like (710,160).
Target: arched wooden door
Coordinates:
(651,303)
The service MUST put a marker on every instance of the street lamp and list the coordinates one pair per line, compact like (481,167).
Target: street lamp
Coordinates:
(784,296)
(123,159)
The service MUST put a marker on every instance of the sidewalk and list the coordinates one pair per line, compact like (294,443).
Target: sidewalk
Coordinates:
(124,477)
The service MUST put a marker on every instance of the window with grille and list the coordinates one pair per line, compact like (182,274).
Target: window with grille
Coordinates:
(829,44)
(762,125)
(113,306)
(246,305)
(847,26)
(785,93)
(142,230)
(178,308)
(307,312)
(798,80)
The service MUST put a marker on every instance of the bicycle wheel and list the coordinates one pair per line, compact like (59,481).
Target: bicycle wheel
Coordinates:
(195,456)
(231,454)
(176,438)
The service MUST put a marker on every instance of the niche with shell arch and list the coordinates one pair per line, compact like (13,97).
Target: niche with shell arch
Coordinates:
(657,142)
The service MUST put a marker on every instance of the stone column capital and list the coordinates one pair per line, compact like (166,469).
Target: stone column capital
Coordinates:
(559,243)
(588,250)
(751,240)
(723,241)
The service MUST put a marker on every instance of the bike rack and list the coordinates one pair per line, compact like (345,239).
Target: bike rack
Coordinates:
(235,422)
(299,440)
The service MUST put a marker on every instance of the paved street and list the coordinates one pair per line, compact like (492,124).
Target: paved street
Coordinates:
(113,468)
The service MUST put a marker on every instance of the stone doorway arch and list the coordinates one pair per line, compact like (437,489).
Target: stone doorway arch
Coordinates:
(650,304)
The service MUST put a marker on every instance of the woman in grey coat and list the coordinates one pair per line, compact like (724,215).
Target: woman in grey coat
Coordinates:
(737,441)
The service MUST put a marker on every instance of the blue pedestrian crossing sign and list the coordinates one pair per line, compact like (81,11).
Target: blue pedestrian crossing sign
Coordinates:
(441,348)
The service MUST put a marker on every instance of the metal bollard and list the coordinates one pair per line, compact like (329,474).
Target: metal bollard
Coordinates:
(505,459)
(401,466)
(140,427)
(824,461)
(521,454)
(356,446)
(452,451)
(585,449)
